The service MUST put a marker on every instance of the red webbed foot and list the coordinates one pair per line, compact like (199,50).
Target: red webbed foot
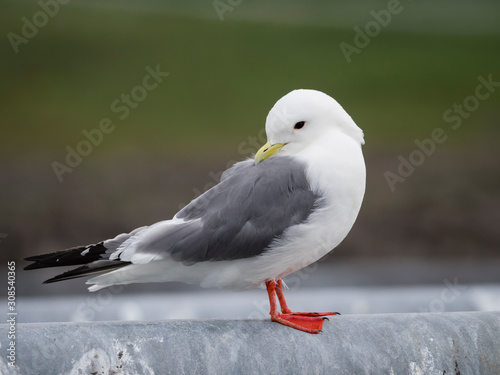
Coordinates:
(311,322)
(302,323)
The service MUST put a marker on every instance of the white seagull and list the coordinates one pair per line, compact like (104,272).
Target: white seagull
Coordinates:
(268,217)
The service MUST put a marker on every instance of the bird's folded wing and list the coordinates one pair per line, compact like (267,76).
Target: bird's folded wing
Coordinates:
(238,218)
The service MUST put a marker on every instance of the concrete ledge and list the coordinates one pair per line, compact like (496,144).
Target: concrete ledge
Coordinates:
(447,343)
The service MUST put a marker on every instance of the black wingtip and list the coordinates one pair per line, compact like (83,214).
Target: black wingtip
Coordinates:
(33,266)
(87,270)
(57,278)
(36,259)
(70,257)
(91,258)
(71,274)
(32,258)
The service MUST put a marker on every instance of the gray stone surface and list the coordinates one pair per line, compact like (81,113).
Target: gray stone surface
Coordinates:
(438,343)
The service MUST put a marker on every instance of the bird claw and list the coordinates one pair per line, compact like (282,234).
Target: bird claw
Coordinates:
(314,314)
(307,322)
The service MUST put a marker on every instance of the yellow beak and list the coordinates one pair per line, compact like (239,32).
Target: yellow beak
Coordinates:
(267,151)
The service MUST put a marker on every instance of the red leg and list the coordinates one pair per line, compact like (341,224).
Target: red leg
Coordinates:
(311,324)
(281,297)
(286,310)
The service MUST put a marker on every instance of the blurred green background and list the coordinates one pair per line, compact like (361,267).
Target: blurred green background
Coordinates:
(225,75)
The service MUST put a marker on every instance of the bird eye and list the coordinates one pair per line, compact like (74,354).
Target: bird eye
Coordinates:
(299,125)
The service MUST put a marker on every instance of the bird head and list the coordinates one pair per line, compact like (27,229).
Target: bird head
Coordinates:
(302,117)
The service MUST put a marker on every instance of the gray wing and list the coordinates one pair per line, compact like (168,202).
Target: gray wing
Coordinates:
(239,217)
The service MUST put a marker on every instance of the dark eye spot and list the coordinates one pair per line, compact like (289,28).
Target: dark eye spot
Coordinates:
(299,125)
